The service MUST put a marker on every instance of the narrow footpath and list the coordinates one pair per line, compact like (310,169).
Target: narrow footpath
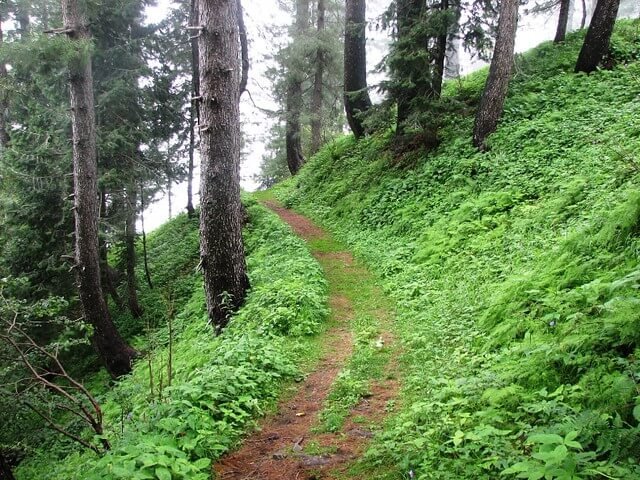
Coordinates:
(319,431)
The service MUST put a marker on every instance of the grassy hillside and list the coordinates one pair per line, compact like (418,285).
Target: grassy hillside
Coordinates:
(515,274)
(173,429)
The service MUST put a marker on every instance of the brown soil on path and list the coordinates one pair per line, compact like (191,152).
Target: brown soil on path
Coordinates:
(277,450)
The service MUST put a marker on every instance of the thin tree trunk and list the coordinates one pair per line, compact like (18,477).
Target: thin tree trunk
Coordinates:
(596,42)
(244,49)
(169,198)
(563,19)
(192,146)
(195,59)
(111,347)
(316,101)
(4,100)
(194,111)
(293,104)
(495,90)
(441,54)
(583,21)
(105,270)
(145,255)
(221,248)
(130,249)
(356,94)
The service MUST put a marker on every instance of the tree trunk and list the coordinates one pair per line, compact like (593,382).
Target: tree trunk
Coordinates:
(194,111)
(596,43)
(145,253)
(244,49)
(316,101)
(192,146)
(5,468)
(4,100)
(408,14)
(106,275)
(583,21)
(495,90)
(440,54)
(293,143)
(563,19)
(111,347)
(293,104)
(130,249)
(356,94)
(221,248)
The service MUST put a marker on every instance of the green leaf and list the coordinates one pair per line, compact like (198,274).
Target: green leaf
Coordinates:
(163,473)
(202,463)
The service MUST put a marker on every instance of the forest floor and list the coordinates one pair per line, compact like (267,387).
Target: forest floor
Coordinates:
(319,430)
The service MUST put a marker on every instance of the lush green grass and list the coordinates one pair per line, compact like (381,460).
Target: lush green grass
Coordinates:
(515,273)
(173,429)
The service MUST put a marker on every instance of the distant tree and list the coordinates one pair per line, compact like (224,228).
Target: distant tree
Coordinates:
(416,66)
(318,81)
(294,101)
(356,95)
(596,42)
(495,90)
(114,352)
(221,247)
(563,19)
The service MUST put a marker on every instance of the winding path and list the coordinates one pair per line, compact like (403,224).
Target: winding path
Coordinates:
(290,444)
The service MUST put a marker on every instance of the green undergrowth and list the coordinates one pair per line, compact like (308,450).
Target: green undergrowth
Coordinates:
(172,428)
(515,273)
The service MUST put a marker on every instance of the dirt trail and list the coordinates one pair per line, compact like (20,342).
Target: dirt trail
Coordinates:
(286,445)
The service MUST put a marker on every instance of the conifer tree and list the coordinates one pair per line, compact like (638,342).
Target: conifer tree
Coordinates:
(356,95)
(294,105)
(116,355)
(318,85)
(221,247)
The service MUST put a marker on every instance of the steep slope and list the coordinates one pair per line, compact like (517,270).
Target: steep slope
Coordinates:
(515,273)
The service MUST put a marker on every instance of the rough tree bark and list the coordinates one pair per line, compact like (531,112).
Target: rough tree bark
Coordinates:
(110,346)
(221,248)
(495,90)
(293,102)
(316,100)
(596,42)
(130,251)
(356,94)
(563,19)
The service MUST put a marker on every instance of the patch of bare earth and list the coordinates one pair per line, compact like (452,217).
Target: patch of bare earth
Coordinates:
(277,450)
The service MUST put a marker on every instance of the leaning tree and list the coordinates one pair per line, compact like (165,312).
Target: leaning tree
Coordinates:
(114,352)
